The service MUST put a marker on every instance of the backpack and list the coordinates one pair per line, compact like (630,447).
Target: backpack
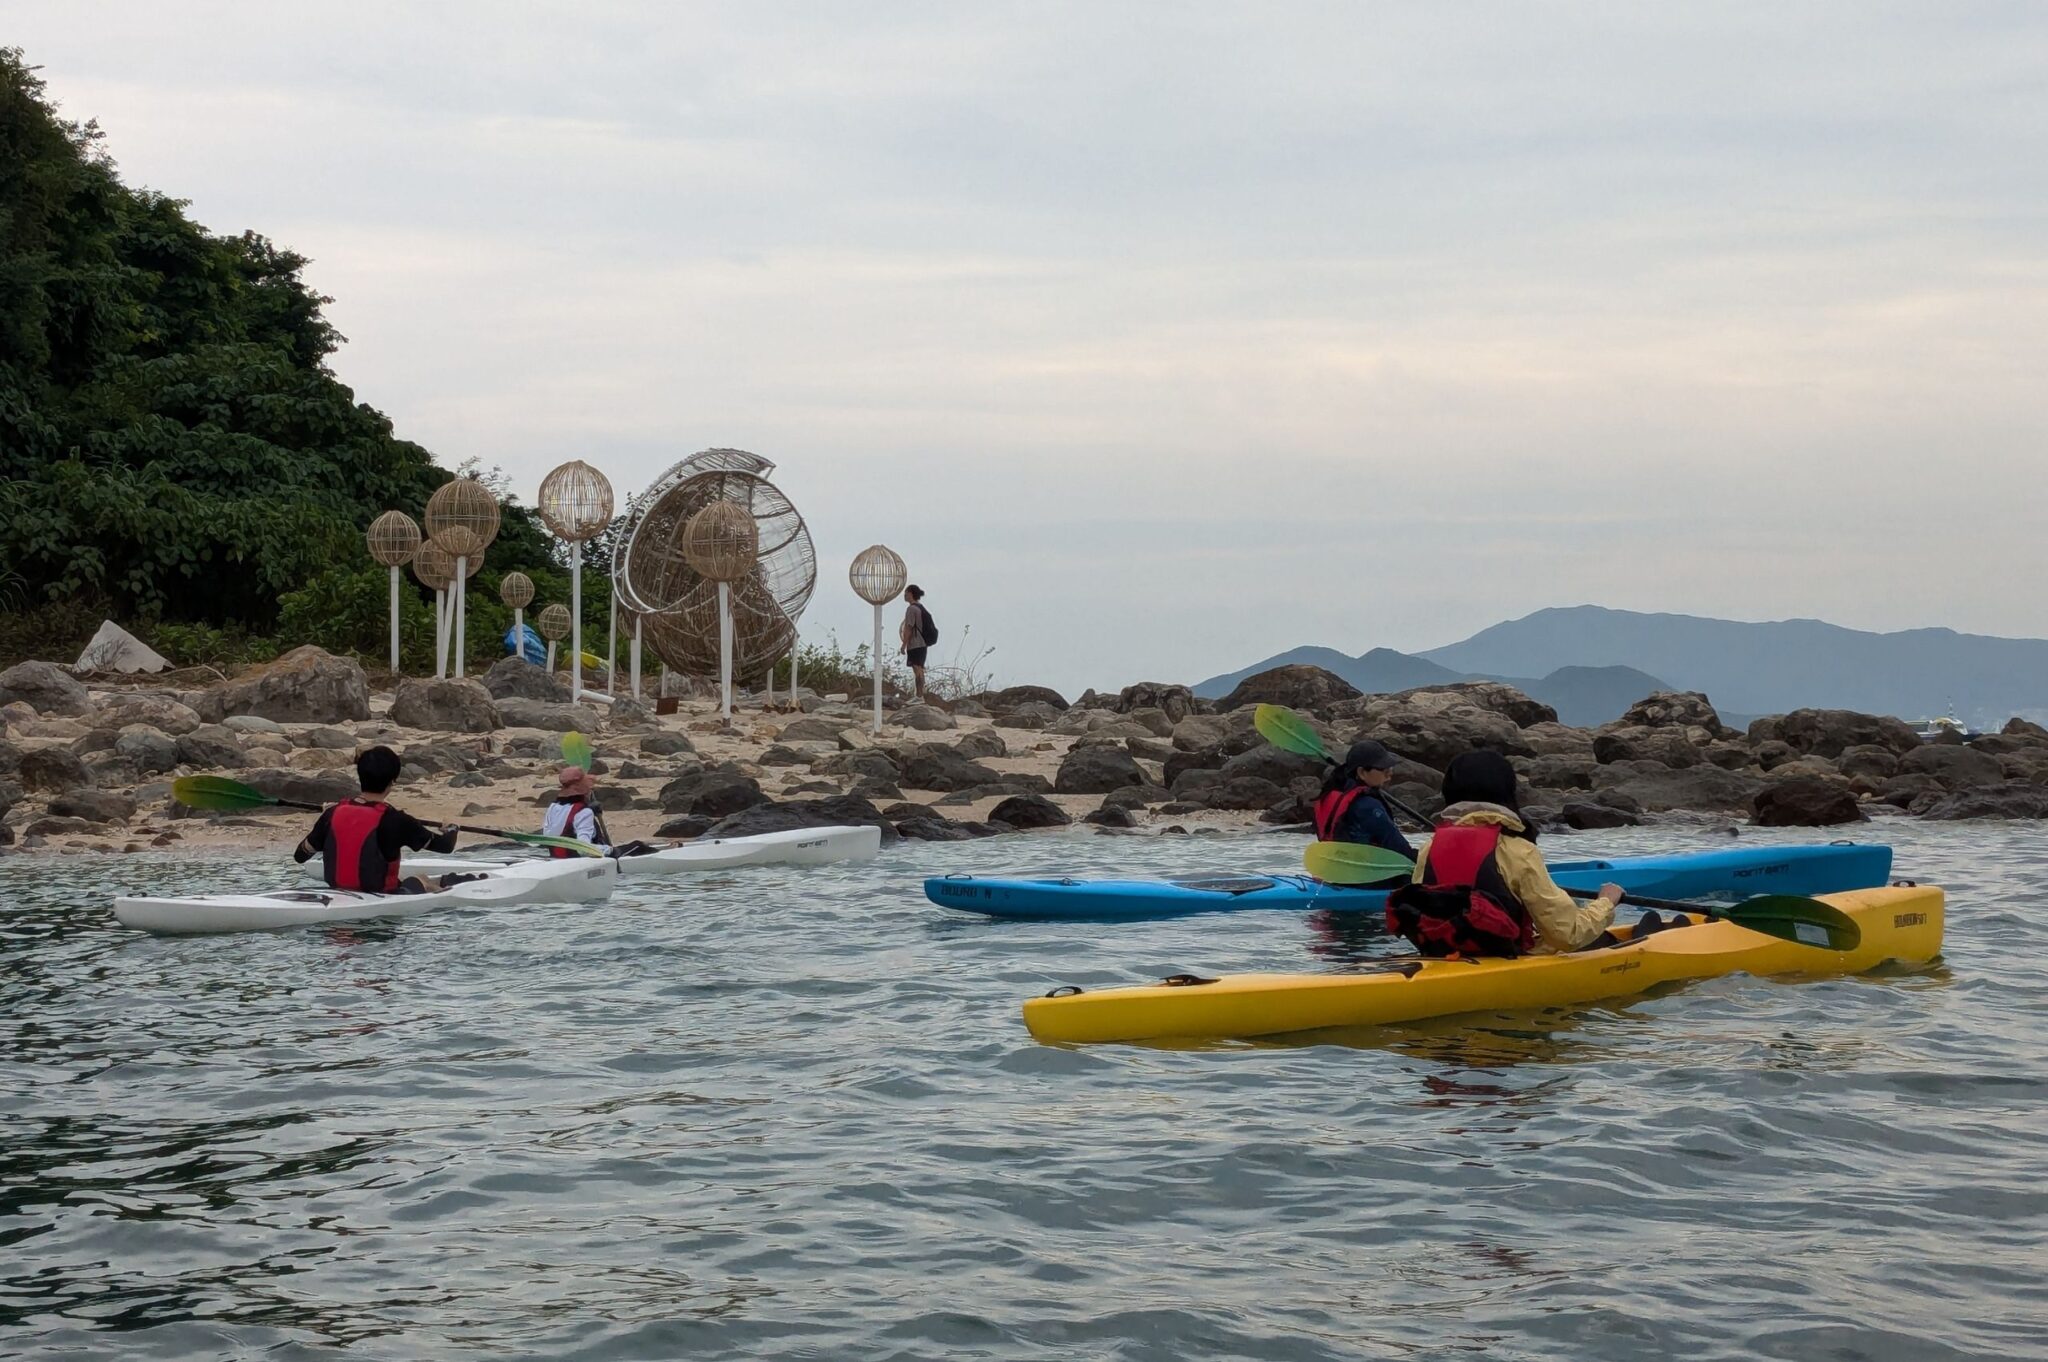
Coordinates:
(929,630)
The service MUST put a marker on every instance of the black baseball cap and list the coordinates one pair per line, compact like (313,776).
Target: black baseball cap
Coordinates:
(1370,756)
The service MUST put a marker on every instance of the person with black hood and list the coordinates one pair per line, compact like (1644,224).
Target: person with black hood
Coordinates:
(1351,809)
(1481,887)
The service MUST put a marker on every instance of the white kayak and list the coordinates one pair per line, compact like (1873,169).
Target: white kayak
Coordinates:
(586,879)
(797,846)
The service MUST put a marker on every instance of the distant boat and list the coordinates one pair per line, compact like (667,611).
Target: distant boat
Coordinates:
(1929,729)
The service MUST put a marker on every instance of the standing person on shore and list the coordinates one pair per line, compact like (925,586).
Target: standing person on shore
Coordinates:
(359,841)
(916,634)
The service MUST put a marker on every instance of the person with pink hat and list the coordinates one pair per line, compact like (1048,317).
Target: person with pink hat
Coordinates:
(575,813)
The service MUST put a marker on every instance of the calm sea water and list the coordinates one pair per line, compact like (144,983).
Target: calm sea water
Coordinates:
(795,1114)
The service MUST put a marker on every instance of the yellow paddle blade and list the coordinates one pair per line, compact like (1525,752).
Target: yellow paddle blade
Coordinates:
(1351,863)
(576,750)
(1288,731)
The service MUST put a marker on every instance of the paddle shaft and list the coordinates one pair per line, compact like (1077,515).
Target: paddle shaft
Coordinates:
(1642,901)
(459,827)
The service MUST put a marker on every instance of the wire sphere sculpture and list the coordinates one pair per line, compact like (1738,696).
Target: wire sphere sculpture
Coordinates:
(434,566)
(654,578)
(575,502)
(394,539)
(878,575)
(721,542)
(553,623)
(462,542)
(466,504)
(516,590)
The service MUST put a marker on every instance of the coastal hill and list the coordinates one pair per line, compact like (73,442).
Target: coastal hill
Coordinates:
(1591,662)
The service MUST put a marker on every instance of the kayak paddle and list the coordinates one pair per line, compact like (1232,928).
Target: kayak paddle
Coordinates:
(218,792)
(1789,917)
(1354,863)
(576,750)
(1289,732)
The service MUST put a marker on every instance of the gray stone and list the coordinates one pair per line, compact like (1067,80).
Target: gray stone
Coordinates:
(1029,717)
(925,719)
(872,764)
(1153,721)
(1026,811)
(1200,733)
(933,766)
(1955,767)
(1668,746)
(1804,802)
(1152,749)
(303,787)
(816,728)
(251,723)
(1830,732)
(2008,801)
(516,678)
(94,806)
(1111,816)
(468,780)
(212,747)
(160,712)
(979,744)
(1558,772)
(666,745)
(1174,702)
(1558,740)
(777,754)
(1272,764)
(1242,792)
(146,749)
(833,811)
(715,793)
(520,712)
(51,770)
(1097,770)
(1012,697)
(1295,686)
(305,686)
(1702,788)
(45,687)
(447,705)
(1676,709)
(1578,813)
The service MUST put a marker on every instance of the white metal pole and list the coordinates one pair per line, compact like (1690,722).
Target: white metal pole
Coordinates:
(611,652)
(878,668)
(636,657)
(394,619)
(793,649)
(771,686)
(725,650)
(576,621)
(519,633)
(551,657)
(440,632)
(461,610)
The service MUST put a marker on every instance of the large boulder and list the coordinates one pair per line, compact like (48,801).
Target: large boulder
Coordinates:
(94,806)
(1635,742)
(666,745)
(1586,815)
(1830,732)
(1701,789)
(718,792)
(1029,717)
(1877,763)
(1675,709)
(1011,697)
(1247,793)
(519,712)
(1200,732)
(1558,740)
(1433,736)
(1296,686)
(1176,702)
(835,811)
(817,728)
(304,787)
(934,766)
(980,744)
(1955,767)
(447,705)
(306,686)
(515,677)
(2005,801)
(925,719)
(1271,763)
(868,764)
(1804,802)
(51,770)
(1097,770)
(1027,811)
(147,750)
(1495,697)
(154,709)
(2016,727)
(45,687)
(1557,772)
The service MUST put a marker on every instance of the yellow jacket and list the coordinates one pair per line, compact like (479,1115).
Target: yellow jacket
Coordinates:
(1562,922)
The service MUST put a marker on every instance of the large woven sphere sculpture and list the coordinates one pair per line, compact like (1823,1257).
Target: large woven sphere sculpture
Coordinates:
(721,542)
(434,566)
(460,541)
(553,623)
(655,575)
(575,501)
(877,574)
(516,590)
(394,539)
(466,504)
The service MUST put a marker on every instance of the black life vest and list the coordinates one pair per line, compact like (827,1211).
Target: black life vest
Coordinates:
(1331,806)
(352,858)
(1462,906)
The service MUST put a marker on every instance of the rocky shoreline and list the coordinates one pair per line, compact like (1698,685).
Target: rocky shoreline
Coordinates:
(86,762)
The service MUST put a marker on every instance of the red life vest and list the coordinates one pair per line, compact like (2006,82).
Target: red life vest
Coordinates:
(1462,906)
(1331,806)
(576,806)
(353,858)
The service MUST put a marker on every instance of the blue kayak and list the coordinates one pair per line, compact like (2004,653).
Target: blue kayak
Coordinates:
(1737,872)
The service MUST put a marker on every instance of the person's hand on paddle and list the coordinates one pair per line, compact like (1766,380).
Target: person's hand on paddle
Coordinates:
(1612,893)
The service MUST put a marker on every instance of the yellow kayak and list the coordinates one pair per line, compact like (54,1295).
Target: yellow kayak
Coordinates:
(1898,924)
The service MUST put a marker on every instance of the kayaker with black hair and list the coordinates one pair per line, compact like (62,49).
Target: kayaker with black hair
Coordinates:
(575,814)
(1481,887)
(360,841)
(1351,808)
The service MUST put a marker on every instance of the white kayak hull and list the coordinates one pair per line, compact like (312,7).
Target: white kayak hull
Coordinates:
(584,880)
(798,846)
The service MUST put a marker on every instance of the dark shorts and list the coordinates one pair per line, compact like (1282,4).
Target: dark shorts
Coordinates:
(916,656)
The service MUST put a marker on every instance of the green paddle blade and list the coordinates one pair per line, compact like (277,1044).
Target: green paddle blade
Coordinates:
(1288,731)
(1808,922)
(576,750)
(217,792)
(1351,863)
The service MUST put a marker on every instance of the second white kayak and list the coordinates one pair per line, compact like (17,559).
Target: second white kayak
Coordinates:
(797,846)
(583,880)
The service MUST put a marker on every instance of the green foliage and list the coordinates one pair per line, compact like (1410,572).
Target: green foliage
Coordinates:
(172,444)
(203,645)
(348,610)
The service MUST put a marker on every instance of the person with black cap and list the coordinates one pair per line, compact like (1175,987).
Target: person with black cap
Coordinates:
(1481,887)
(1350,808)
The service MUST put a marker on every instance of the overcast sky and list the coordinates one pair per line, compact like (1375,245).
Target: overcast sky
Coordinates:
(1162,338)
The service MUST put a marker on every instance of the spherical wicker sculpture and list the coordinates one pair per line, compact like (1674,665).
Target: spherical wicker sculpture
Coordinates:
(516,590)
(460,541)
(394,539)
(654,578)
(575,502)
(553,623)
(721,542)
(434,566)
(878,575)
(464,503)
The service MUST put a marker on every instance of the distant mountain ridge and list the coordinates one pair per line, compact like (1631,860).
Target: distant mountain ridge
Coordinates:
(1745,668)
